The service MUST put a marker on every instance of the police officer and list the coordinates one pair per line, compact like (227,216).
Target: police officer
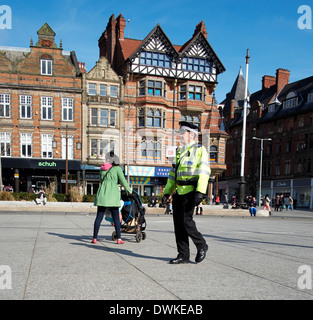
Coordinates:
(189,178)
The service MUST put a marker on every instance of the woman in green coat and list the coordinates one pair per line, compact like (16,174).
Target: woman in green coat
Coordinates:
(109,197)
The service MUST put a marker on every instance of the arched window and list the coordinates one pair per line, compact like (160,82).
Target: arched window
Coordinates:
(152,119)
(151,149)
(150,115)
(157,118)
(141,118)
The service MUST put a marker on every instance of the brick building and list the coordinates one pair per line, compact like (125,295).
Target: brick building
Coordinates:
(164,84)
(283,112)
(40,114)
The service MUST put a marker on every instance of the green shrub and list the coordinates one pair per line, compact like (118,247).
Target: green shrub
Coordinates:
(61,197)
(89,198)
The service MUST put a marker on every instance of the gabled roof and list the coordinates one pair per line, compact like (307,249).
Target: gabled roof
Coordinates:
(157,32)
(46,30)
(199,37)
(131,48)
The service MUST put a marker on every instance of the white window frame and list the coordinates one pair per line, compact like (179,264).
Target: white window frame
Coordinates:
(67,109)
(27,143)
(46,146)
(46,67)
(70,140)
(47,108)
(5,144)
(25,107)
(5,105)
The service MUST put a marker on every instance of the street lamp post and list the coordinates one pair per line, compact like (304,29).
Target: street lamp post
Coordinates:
(261,166)
(242,181)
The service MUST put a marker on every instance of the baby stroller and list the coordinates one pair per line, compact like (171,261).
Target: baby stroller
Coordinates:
(133,216)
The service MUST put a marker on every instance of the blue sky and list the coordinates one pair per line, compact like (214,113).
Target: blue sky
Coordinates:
(268,28)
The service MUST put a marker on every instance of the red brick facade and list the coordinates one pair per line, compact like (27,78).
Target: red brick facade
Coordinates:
(44,76)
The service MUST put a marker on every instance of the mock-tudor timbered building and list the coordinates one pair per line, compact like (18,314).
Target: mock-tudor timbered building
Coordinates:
(164,84)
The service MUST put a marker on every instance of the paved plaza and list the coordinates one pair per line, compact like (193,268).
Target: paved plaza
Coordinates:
(50,256)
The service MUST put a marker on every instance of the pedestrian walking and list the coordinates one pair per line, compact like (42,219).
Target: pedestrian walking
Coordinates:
(267,204)
(290,205)
(189,180)
(108,197)
(277,202)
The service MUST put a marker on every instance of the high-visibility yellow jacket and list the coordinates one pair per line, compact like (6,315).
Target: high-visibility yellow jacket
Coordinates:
(192,171)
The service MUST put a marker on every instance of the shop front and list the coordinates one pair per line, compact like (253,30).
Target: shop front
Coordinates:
(146,180)
(302,193)
(91,178)
(26,175)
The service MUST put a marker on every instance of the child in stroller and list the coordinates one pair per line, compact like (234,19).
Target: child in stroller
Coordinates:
(133,216)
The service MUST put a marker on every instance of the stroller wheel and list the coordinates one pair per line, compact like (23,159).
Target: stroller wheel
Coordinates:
(144,236)
(114,237)
(138,237)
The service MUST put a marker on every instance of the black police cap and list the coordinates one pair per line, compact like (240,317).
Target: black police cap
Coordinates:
(184,125)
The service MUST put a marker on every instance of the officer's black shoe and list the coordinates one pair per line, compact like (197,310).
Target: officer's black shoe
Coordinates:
(201,254)
(179,260)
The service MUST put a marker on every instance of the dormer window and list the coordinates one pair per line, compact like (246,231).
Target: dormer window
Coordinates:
(291,100)
(46,67)
(272,108)
(310,97)
(156,59)
(196,64)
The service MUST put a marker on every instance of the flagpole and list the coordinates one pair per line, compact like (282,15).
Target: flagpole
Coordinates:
(243,151)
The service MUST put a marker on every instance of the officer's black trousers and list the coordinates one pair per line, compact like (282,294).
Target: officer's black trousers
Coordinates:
(184,225)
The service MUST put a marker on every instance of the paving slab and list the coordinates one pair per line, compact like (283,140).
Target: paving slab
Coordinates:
(51,257)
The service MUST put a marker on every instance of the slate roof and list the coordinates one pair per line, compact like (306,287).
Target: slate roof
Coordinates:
(237,93)
(302,88)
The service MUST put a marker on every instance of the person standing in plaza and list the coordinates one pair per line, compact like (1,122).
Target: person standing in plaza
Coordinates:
(290,205)
(108,196)
(189,180)
(252,206)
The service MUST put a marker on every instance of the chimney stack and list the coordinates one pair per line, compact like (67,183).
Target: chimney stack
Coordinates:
(267,82)
(107,40)
(282,79)
(201,27)
(232,109)
(82,67)
(120,27)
